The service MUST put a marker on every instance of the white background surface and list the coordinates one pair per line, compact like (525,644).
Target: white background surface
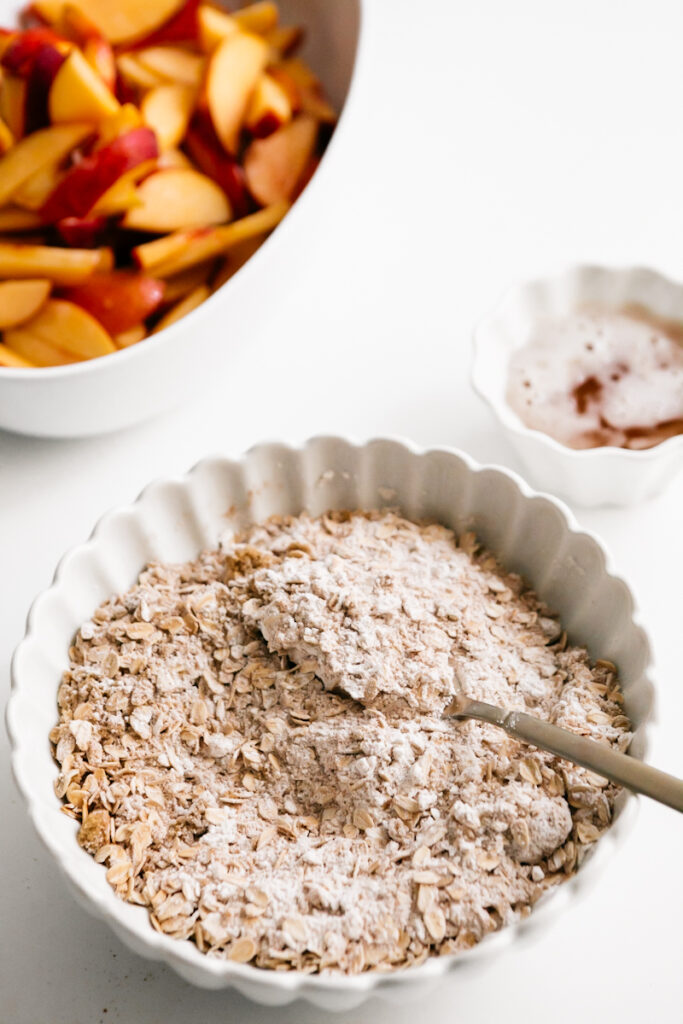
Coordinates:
(490,141)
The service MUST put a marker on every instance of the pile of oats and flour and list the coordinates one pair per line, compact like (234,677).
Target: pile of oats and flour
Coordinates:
(253,743)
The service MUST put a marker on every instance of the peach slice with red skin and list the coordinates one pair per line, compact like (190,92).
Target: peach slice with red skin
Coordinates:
(78,93)
(80,189)
(269,107)
(21,300)
(167,111)
(119,21)
(120,300)
(20,53)
(273,166)
(47,146)
(68,327)
(181,28)
(126,118)
(234,69)
(178,199)
(206,150)
(83,232)
(47,64)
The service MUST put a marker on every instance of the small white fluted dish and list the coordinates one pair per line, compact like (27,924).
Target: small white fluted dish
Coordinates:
(594,476)
(101,395)
(174,519)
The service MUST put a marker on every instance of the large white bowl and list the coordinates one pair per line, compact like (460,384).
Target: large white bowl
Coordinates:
(174,519)
(592,476)
(137,383)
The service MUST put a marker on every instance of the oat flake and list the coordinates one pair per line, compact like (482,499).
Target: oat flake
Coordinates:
(253,745)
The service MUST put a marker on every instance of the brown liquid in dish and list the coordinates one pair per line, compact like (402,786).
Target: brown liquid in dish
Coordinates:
(598,378)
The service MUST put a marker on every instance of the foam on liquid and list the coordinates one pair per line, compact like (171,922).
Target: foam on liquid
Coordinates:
(598,378)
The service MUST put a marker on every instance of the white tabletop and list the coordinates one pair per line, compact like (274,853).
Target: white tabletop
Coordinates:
(493,140)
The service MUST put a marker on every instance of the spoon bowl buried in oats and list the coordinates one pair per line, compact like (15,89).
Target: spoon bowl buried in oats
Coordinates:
(596,757)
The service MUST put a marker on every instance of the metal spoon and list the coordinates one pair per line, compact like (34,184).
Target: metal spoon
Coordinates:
(620,768)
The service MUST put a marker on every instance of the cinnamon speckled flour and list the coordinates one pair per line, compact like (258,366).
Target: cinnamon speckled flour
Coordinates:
(254,746)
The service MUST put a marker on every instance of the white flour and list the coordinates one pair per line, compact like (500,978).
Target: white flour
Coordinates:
(300,802)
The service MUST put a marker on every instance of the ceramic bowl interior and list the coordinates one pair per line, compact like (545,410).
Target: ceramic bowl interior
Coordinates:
(592,476)
(512,323)
(172,520)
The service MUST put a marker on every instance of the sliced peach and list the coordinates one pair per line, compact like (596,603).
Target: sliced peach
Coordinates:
(12,360)
(122,196)
(96,49)
(167,110)
(130,337)
(13,104)
(233,72)
(259,17)
(35,151)
(134,73)
(13,219)
(173,64)
(105,260)
(118,300)
(86,182)
(237,258)
(69,327)
(83,232)
(36,351)
(119,21)
(6,137)
(47,64)
(173,158)
(187,280)
(35,190)
(171,254)
(181,28)
(206,150)
(269,107)
(126,118)
(20,52)
(284,39)
(79,94)
(182,308)
(274,165)
(177,199)
(21,300)
(63,266)
(299,72)
(213,27)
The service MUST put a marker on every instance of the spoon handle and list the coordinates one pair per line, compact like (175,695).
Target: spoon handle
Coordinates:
(620,768)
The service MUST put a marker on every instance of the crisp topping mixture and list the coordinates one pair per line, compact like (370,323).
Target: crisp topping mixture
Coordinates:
(254,746)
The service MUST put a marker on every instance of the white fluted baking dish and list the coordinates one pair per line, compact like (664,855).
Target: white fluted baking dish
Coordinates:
(591,476)
(174,519)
